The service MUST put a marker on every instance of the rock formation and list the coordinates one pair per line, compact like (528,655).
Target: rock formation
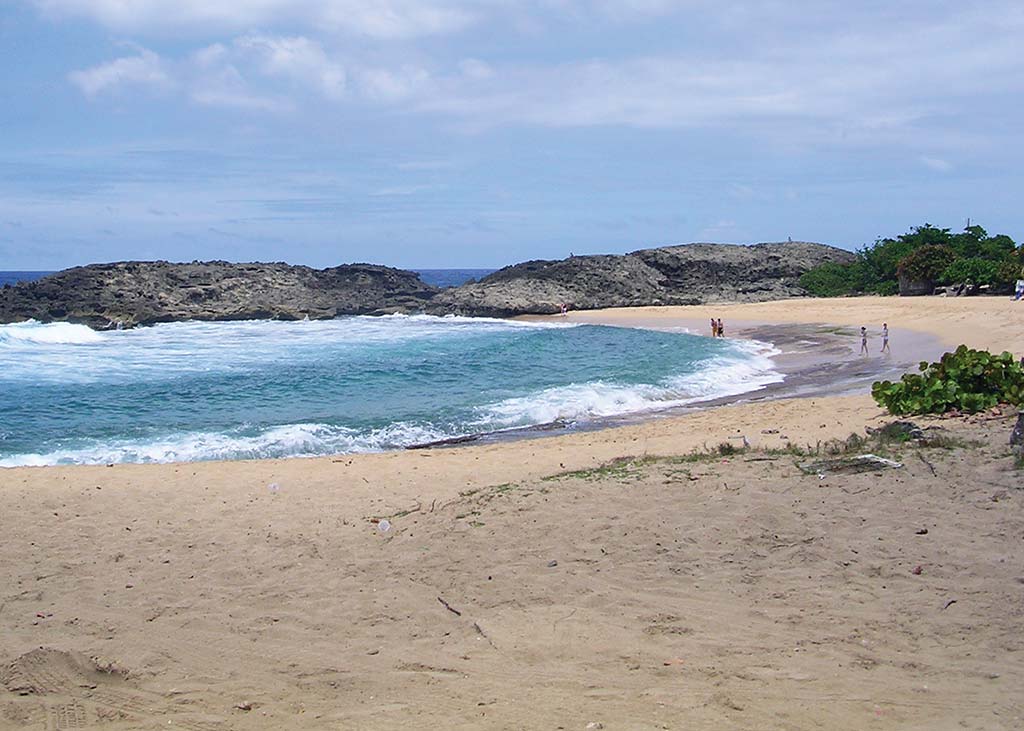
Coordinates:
(672,275)
(141,293)
(127,294)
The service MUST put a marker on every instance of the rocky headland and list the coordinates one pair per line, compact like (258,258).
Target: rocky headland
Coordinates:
(689,274)
(127,294)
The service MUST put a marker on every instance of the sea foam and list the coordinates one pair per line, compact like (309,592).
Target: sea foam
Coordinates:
(32,332)
(241,390)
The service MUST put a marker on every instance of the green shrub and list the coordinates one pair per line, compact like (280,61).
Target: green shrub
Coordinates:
(974,270)
(877,266)
(926,263)
(833,279)
(965,380)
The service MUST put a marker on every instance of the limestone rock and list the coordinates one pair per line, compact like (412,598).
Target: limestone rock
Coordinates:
(142,293)
(673,275)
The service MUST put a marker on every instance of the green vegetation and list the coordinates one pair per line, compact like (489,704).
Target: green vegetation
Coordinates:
(927,262)
(925,253)
(965,380)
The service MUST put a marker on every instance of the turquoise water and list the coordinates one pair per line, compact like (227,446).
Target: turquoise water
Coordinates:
(197,391)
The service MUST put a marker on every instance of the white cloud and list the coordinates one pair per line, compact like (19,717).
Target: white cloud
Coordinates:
(936,163)
(474,68)
(297,58)
(144,69)
(876,75)
(394,85)
(386,19)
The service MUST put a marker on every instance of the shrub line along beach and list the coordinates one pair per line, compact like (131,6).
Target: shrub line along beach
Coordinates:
(642,576)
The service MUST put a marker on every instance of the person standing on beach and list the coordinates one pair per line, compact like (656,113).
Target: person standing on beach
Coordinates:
(885,338)
(714,328)
(863,340)
(721,328)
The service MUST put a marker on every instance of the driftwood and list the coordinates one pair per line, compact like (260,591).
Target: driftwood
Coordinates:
(449,607)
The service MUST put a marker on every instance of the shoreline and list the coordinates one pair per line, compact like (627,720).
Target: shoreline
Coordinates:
(637,576)
(811,359)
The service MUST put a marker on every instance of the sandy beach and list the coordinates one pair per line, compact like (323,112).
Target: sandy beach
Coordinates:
(620,578)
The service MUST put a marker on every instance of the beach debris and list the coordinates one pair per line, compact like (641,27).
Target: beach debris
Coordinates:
(897,430)
(1017,435)
(769,431)
(384,525)
(950,603)
(921,532)
(849,465)
(450,442)
(552,564)
(917,570)
(594,725)
(449,607)
(244,706)
(273,487)
(743,440)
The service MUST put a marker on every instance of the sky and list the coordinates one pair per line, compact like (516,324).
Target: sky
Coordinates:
(477,133)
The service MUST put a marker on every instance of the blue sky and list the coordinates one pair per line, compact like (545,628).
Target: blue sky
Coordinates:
(437,133)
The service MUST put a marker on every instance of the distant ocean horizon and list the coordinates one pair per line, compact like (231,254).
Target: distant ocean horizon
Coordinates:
(435,277)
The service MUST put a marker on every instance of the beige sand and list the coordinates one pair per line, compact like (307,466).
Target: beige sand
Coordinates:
(723,594)
(995,323)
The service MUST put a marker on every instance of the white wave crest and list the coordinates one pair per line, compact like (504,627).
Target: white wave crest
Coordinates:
(32,332)
(291,440)
(750,369)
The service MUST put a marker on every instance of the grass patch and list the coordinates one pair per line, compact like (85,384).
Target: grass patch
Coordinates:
(889,441)
(621,468)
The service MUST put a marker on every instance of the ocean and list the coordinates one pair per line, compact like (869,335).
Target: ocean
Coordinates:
(15,277)
(243,390)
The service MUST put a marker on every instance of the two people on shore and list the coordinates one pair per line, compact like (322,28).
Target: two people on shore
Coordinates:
(864,339)
(717,328)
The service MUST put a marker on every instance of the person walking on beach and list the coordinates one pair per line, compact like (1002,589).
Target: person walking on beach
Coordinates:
(885,338)
(863,340)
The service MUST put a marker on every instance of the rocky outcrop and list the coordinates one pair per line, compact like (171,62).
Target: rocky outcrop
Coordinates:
(672,275)
(127,294)
(140,293)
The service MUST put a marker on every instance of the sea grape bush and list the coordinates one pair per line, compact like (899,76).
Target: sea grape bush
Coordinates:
(927,262)
(965,380)
(974,270)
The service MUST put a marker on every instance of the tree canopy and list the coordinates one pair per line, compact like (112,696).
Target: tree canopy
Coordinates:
(925,253)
